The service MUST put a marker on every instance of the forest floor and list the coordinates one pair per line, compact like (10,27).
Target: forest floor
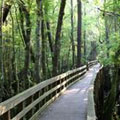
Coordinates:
(72,104)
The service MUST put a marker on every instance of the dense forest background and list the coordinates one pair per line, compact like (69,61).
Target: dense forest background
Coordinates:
(41,39)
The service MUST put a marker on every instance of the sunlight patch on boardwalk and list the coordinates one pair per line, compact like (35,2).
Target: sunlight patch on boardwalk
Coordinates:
(72,104)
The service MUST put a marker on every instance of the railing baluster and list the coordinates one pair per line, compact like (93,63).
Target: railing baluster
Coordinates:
(23,106)
(7,116)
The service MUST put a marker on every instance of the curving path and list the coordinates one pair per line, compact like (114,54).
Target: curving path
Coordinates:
(72,104)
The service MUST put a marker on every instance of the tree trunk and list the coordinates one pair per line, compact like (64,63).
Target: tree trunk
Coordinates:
(107,36)
(1,41)
(85,53)
(106,32)
(1,51)
(111,100)
(50,37)
(38,38)
(79,33)
(26,35)
(50,41)
(57,38)
(72,34)
(14,71)
(43,50)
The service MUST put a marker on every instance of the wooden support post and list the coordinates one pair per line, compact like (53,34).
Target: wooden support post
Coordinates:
(7,116)
(48,90)
(39,94)
(30,100)
(45,92)
(40,104)
(43,101)
(87,66)
(21,107)
(51,88)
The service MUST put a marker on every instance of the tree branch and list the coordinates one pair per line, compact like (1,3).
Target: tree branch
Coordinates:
(108,12)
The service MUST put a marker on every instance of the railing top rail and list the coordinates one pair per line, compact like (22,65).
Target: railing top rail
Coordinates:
(21,97)
(91,114)
(12,102)
(92,61)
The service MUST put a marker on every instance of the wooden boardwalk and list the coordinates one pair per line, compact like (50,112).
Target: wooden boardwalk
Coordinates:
(72,104)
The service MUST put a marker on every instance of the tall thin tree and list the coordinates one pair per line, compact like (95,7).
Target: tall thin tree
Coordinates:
(79,33)
(72,34)
(43,50)
(57,37)
(84,36)
(1,49)
(38,38)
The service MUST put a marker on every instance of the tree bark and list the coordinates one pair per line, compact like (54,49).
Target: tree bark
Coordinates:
(50,41)
(79,33)
(26,31)
(85,53)
(1,51)
(106,32)
(57,38)
(38,38)
(72,34)
(1,23)
(14,71)
(50,37)
(43,50)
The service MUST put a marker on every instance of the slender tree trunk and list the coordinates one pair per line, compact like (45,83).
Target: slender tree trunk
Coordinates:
(26,31)
(14,71)
(57,38)
(50,37)
(50,40)
(85,54)
(27,50)
(79,33)
(38,38)
(106,32)
(1,42)
(72,34)
(107,35)
(1,51)
(43,50)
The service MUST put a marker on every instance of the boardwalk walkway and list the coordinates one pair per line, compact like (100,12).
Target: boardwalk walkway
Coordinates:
(72,104)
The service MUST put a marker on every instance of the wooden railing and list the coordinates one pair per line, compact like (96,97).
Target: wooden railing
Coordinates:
(93,92)
(28,104)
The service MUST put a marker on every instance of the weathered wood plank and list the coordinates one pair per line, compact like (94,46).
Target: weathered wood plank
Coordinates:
(35,116)
(29,107)
(91,115)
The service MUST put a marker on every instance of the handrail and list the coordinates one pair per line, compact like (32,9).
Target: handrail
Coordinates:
(91,112)
(35,98)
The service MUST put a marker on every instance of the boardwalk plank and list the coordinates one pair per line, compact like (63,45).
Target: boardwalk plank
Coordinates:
(72,104)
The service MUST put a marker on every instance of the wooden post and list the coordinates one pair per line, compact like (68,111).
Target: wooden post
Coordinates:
(7,116)
(29,101)
(21,106)
(87,66)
